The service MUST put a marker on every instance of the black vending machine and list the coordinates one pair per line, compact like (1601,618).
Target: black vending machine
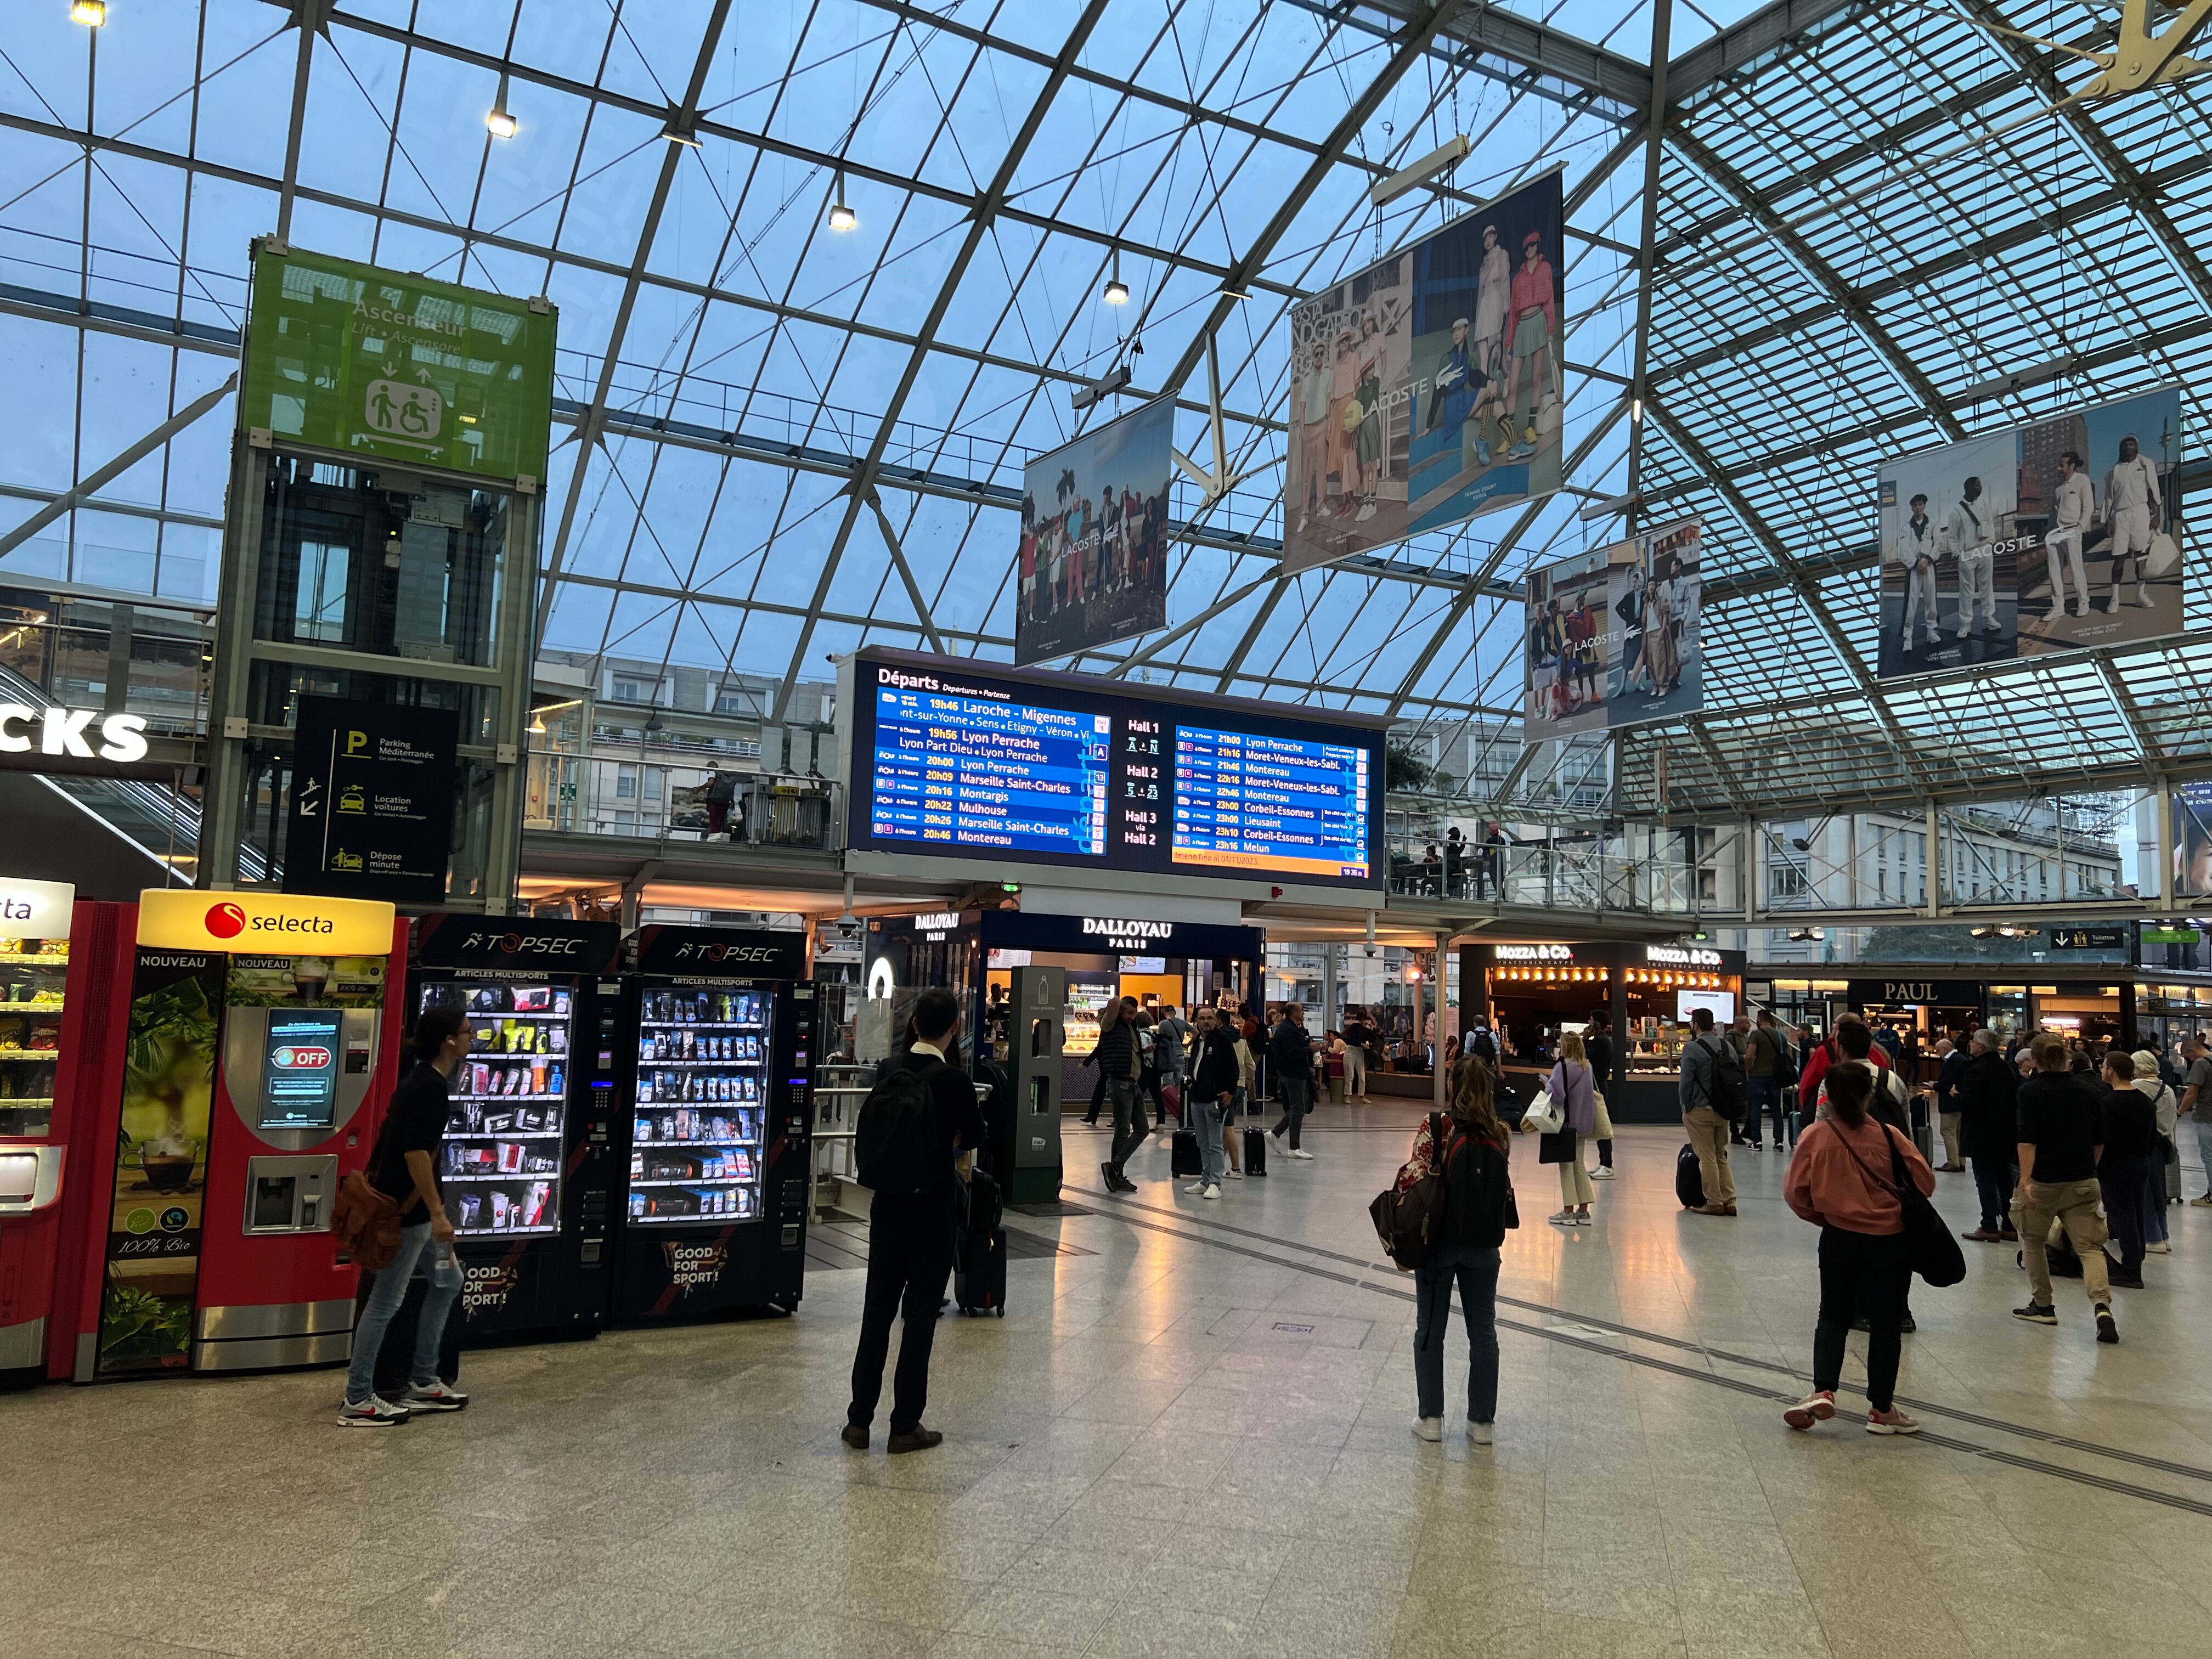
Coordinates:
(530,1160)
(715,1076)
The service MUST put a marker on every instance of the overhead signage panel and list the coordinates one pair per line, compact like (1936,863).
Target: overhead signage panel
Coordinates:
(372,800)
(952,762)
(262,924)
(389,366)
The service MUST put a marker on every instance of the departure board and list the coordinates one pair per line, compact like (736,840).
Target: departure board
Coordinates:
(1020,768)
(967,771)
(1246,801)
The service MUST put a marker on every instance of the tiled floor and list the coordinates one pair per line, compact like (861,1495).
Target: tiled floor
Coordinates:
(1191,1440)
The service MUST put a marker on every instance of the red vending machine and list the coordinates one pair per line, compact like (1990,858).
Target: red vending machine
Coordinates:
(51,987)
(256,1038)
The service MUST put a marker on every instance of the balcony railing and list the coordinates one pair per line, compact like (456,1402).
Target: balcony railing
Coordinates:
(666,799)
(1583,876)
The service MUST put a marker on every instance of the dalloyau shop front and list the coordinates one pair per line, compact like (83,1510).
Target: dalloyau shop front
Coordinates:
(1532,993)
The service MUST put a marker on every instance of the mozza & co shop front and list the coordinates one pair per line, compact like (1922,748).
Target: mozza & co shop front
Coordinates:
(1532,993)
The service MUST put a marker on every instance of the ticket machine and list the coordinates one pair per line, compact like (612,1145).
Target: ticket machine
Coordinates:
(258,1054)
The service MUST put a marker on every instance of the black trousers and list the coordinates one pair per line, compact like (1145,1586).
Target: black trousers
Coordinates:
(909,1258)
(1868,1272)
(2126,1180)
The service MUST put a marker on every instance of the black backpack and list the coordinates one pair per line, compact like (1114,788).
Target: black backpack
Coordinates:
(1728,1094)
(895,1142)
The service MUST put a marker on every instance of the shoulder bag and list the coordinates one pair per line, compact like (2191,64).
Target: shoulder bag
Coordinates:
(1934,1253)
(1548,1113)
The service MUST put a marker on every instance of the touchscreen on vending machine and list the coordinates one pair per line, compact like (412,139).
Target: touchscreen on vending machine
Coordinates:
(299,1071)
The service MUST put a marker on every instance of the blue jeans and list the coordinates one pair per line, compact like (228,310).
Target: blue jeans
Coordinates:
(388,1289)
(1204,1117)
(1762,1096)
(1475,1268)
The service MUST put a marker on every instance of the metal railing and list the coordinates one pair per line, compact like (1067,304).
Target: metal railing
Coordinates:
(664,798)
(1571,875)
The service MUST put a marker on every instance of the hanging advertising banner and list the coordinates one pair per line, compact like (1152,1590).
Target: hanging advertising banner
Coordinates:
(2192,839)
(1428,388)
(153,1255)
(1093,564)
(372,805)
(2057,535)
(1612,636)
(386,365)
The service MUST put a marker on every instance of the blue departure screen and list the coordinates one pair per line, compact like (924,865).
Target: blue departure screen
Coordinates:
(1246,801)
(1005,767)
(974,772)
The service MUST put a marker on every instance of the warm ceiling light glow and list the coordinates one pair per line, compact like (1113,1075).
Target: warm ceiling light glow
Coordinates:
(842,218)
(1117,291)
(501,123)
(90,13)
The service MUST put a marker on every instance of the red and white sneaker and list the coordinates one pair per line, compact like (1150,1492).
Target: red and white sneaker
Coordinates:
(436,1397)
(1891,1421)
(373,1413)
(1817,1406)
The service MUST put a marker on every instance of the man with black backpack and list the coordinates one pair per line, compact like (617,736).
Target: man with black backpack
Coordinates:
(913,1125)
(1712,1094)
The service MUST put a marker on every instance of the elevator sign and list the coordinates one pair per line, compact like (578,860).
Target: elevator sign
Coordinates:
(384,365)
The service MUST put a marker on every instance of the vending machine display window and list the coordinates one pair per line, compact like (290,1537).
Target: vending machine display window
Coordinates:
(696,1120)
(32,972)
(503,1167)
(300,1074)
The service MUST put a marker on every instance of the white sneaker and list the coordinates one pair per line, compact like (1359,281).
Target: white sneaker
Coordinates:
(1603,1172)
(1429,1428)
(436,1397)
(1300,1152)
(371,1413)
(1209,1191)
(1480,1433)
(2158,1247)
(1236,1175)
(2055,613)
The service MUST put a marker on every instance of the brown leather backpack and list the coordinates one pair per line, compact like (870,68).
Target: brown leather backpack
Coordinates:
(366,1223)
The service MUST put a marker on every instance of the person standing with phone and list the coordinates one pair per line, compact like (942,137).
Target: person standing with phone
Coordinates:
(404,1167)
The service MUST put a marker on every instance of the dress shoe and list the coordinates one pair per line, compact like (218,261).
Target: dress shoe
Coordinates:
(856,1436)
(912,1440)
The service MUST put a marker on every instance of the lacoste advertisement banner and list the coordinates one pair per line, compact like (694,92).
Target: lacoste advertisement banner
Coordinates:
(1093,564)
(1613,635)
(1427,388)
(2059,535)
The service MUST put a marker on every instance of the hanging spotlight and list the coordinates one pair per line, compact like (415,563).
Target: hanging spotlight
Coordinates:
(1117,291)
(90,13)
(497,119)
(842,217)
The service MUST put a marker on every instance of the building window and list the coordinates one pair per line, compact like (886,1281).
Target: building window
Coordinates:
(1785,881)
(737,700)
(319,612)
(628,689)
(626,783)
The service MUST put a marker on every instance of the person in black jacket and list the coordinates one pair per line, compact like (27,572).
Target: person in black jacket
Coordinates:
(1214,1077)
(1290,1055)
(1475,1166)
(1116,1056)
(2124,1172)
(1597,1042)
(910,1240)
(1983,1097)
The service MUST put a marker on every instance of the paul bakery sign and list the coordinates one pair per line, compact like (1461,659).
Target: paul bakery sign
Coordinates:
(74,734)
(263,924)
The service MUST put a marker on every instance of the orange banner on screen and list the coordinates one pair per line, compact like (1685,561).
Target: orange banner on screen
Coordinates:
(1267,864)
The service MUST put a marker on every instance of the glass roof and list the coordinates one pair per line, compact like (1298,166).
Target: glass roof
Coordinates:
(737,382)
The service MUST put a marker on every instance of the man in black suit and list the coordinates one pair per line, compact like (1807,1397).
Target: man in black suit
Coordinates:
(910,1237)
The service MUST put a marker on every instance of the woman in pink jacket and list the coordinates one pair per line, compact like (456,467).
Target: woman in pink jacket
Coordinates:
(1842,1180)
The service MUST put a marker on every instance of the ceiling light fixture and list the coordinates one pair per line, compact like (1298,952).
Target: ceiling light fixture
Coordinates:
(842,217)
(1440,159)
(1117,291)
(90,13)
(498,120)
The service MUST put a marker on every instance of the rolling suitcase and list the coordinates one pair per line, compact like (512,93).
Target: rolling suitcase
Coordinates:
(979,1276)
(2172,1171)
(1689,1180)
(1183,1152)
(1255,1151)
